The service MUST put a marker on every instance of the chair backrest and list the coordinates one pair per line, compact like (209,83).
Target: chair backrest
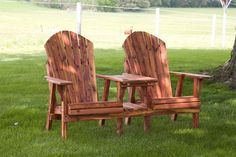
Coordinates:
(146,55)
(71,57)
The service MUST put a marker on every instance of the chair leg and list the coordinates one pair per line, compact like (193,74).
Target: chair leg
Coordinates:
(128,120)
(119,128)
(174,117)
(48,122)
(101,122)
(195,120)
(63,129)
(147,123)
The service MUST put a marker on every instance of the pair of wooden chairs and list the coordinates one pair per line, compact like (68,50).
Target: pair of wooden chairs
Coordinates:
(71,73)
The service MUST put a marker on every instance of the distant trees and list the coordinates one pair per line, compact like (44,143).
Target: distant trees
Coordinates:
(133,4)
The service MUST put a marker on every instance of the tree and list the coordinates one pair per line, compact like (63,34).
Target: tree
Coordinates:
(112,3)
(143,3)
(227,72)
(155,3)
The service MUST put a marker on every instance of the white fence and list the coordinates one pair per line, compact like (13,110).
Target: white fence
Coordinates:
(26,28)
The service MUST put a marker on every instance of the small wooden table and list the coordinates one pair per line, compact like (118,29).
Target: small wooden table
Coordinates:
(129,80)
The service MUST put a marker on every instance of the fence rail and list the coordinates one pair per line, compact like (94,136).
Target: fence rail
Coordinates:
(28,28)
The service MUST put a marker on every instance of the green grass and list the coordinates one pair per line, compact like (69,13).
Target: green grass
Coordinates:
(24,92)
(25,27)
(24,96)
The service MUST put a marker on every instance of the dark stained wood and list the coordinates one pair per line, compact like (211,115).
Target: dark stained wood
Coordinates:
(134,106)
(196,87)
(131,97)
(146,55)
(147,101)
(51,105)
(57,81)
(119,128)
(176,105)
(130,80)
(71,70)
(96,111)
(70,57)
(195,120)
(93,105)
(127,78)
(105,98)
(174,100)
(199,76)
(178,92)
(120,96)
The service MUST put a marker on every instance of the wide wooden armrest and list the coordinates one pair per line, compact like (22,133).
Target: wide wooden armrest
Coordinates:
(129,78)
(199,76)
(106,77)
(57,81)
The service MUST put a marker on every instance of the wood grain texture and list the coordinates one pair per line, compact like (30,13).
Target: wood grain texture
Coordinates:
(146,55)
(71,58)
(71,70)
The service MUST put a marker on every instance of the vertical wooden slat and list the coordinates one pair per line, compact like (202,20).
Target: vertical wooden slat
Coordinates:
(146,55)
(64,112)
(71,58)
(195,120)
(147,101)
(131,94)
(196,87)
(105,98)
(120,96)
(51,105)
(178,93)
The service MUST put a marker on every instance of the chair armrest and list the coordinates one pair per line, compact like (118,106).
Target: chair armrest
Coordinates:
(57,81)
(108,77)
(198,76)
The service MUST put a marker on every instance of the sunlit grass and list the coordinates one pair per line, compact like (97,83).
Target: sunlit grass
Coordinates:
(24,96)
(25,27)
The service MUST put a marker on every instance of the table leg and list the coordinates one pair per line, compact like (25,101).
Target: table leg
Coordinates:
(147,101)
(105,98)
(131,93)
(120,96)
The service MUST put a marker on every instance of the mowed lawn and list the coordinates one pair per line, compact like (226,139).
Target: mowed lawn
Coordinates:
(24,92)
(23,103)
(25,27)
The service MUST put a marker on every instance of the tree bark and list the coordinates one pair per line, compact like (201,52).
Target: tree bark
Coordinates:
(227,73)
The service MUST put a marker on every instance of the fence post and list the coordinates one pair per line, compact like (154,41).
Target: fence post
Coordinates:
(157,21)
(78,17)
(213,29)
(224,27)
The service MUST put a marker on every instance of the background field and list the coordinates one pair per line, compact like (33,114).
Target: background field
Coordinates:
(24,28)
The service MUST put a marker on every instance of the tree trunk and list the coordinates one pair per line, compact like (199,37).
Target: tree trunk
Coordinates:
(227,73)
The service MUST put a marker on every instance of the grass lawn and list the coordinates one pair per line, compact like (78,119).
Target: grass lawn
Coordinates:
(23,102)
(25,27)
(24,92)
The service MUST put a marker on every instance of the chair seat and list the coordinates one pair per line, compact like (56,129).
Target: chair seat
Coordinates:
(176,103)
(132,106)
(95,108)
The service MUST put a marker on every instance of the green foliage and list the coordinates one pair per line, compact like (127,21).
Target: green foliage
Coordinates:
(134,4)
(166,3)
(112,3)
(155,3)
(143,3)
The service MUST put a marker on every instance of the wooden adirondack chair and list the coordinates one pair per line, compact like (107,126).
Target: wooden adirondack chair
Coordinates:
(146,55)
(71,72)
